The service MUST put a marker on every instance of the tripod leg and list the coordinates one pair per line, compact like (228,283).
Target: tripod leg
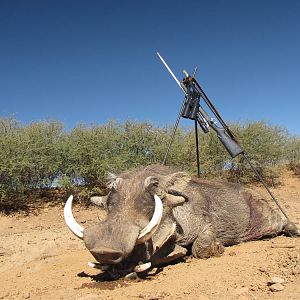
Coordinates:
(265,185)
(173,133)
(197,148)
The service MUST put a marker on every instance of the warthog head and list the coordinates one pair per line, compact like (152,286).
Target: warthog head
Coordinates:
(139,228)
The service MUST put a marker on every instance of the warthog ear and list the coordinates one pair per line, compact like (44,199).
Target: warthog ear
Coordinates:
(151,183)
(113,181)
(100,201)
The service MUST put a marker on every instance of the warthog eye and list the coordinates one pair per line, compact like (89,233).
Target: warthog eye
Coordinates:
(115,257)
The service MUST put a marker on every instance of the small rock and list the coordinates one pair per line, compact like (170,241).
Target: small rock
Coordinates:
(276,287)
(132,276)
(274,280)
(232,253)
(26,296)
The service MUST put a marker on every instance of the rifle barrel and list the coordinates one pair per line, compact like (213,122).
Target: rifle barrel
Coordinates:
(170,71)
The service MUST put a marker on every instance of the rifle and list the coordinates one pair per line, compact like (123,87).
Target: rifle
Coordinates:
(191,109)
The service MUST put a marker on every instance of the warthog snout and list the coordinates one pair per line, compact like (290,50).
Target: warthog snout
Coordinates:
(106,255)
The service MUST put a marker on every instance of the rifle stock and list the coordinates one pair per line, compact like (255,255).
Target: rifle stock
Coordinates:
(232,147)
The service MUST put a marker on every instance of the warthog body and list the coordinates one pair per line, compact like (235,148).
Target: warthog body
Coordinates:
(198,215)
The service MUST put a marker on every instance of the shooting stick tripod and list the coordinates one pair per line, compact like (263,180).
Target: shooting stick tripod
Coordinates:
(185,114)
(191,109)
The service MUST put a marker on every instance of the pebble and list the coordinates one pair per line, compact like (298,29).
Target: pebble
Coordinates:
(276,287)
(132,276)
(274,280)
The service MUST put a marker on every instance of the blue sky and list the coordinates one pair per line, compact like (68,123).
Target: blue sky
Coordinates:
(93,61)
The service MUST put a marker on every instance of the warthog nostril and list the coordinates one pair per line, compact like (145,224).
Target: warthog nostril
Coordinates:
(106,255)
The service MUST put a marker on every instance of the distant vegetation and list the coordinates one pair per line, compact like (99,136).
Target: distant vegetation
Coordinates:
(40,155)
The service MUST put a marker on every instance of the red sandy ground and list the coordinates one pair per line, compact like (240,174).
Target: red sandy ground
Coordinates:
(41,259)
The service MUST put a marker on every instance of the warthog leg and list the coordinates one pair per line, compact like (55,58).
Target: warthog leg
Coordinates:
(207,245)
(177,252)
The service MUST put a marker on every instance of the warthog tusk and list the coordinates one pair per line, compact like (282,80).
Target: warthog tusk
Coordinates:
(96,265)
(143,267)
(149,230)
(70,221)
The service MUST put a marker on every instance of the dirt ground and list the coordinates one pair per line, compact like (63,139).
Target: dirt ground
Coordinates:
(41,259)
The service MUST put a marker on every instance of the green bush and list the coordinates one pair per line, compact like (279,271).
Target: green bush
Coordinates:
(43,155)
(90,152)
(266,147)
(293,154)
(29,156)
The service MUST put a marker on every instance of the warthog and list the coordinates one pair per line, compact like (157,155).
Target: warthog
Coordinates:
(156,215)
